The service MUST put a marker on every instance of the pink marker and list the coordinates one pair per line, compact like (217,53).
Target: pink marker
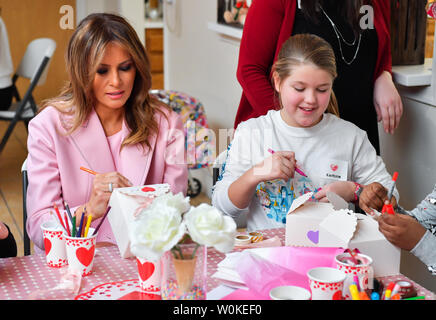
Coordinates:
(296,168)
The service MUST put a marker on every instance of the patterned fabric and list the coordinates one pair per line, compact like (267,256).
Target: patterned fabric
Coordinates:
(425,213)
(199,139)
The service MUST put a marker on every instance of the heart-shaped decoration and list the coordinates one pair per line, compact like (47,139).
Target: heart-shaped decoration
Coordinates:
(148,189)
(337,295)
(145,269)
(334,167)
(85,256)
(313,236)
(47,245)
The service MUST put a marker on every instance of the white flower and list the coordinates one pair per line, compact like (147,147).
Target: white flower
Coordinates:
(178,201)
(208,226)
(156,230)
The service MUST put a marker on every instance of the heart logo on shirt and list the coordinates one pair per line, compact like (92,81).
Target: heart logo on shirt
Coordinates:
(334,167)
(85,256)
(145,269)
(47,245)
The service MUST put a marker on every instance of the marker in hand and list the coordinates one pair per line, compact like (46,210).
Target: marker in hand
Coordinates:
(387,207)
(296,168)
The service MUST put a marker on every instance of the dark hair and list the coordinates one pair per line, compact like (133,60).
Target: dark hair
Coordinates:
(349,9)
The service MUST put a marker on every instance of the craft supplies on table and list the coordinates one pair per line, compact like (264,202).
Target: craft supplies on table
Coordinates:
(22,276)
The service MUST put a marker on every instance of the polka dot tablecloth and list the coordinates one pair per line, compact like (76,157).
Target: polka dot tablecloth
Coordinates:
(30,277)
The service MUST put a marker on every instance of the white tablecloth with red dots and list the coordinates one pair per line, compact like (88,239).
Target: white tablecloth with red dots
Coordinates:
(29,277)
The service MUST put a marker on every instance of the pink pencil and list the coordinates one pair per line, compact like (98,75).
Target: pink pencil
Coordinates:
(296,168)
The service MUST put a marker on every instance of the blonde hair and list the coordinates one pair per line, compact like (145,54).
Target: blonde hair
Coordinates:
(305,49)
(84,54)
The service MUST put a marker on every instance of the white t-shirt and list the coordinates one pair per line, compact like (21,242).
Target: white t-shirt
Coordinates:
(332,150)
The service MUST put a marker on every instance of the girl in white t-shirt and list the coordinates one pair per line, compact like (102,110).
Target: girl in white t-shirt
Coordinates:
(277,157)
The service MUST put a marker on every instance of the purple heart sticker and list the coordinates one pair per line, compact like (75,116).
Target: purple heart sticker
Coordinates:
(313,236)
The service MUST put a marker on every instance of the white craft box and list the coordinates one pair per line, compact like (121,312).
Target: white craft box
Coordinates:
(304,228)
(125,204)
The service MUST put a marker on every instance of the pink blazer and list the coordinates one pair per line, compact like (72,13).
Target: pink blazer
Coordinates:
(54,160)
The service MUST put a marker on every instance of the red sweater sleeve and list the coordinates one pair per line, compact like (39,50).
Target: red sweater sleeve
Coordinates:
(382,24)
(257,51)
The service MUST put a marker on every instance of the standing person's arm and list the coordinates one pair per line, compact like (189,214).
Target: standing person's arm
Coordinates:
(257,50)
(387,101)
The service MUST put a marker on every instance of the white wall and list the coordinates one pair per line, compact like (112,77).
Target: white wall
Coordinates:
(201,62)
(132,10)
(411,152)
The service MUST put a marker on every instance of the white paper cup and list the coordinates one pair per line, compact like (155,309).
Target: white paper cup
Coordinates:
(326,283)
(149,274)
(289,293)
(363,271)
(81,252)
(54,244)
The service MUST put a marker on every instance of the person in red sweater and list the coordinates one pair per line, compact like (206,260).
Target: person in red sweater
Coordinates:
(364,88)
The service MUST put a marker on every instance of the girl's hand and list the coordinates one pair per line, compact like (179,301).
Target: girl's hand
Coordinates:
(3,231)
(401,230)
(344,189)
(373,196)
(387,102)
(280,165)
(101,193)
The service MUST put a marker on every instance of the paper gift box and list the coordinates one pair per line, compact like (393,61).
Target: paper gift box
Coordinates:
(126,204)
(316,224)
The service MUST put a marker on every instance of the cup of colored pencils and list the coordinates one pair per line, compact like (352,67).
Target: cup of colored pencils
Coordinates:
(80,244)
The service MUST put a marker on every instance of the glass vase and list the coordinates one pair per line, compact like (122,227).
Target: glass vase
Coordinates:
(184,273)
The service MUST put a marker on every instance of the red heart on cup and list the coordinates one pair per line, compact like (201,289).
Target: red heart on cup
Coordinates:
(47,245)
(85,256)
(334,167)
(145,269)
(337,295)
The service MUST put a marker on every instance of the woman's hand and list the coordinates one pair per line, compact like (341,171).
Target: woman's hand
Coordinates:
(401,230)
(387,102)
(280,165)
(344,189)
(101,192)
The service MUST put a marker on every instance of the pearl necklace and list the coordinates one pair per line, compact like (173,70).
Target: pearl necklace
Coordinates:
(339,37)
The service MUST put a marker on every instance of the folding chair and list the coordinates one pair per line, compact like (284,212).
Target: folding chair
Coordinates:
(33,66)
(25,182)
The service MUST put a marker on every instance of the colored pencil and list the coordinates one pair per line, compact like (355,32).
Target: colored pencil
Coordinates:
(88,223)
(67,224)
(59,216)
(68,211)
(79,233)
(415,298)
(73,227)
(88,170)
(101,221)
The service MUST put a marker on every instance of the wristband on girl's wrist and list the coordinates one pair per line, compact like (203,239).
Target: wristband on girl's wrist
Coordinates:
(357,191)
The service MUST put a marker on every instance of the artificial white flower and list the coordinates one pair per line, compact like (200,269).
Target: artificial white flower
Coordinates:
(156,230)
(177,201)
(209,226)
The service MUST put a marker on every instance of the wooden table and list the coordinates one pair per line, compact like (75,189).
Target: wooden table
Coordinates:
(29,277)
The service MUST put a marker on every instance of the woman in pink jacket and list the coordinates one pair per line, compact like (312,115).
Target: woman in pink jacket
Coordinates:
(104,120)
